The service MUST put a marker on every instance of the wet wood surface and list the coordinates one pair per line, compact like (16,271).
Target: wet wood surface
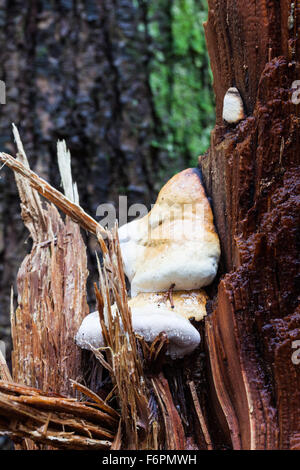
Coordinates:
(251,172)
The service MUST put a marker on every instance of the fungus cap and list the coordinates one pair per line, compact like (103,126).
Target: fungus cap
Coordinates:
(175,243)
(152,315)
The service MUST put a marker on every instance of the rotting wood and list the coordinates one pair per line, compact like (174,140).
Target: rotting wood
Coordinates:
(73,210)
(26,412)
(202,422)
(123,361)
(251,172)
(4,370)
(51,295)
(174,431)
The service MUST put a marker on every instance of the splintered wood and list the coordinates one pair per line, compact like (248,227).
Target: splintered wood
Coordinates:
(252,173)
(51,306)
(57,421)
(4,370)
(125,362)
(51,295)
(70,208)
(175,437)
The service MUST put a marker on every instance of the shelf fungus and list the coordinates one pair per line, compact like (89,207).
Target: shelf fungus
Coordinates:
(233,107)
(175,243)
(152,314)
(168,256)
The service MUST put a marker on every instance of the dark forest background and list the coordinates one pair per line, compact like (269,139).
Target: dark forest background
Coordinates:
(127,84)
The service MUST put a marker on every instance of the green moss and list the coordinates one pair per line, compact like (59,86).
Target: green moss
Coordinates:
(180,78)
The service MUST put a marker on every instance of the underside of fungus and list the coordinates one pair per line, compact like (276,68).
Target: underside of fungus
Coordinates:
(152,314)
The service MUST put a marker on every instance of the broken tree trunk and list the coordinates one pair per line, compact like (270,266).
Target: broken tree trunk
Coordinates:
(51,296)
(146,423)
(251,173)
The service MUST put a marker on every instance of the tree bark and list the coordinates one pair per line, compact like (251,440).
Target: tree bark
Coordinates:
(74,70)
(251,173)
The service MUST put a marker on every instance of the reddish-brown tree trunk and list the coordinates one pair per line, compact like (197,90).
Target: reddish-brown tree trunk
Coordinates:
(252,175)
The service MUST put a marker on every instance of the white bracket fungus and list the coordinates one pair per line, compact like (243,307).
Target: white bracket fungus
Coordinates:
(148,320)
(233,107)
(174,245)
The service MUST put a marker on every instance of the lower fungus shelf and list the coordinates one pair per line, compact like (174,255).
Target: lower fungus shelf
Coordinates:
(152,314)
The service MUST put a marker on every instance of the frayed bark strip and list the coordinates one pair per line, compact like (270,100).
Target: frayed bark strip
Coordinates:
(200,416)
(4,370)
(174,432)
(73,210)
(58,422)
